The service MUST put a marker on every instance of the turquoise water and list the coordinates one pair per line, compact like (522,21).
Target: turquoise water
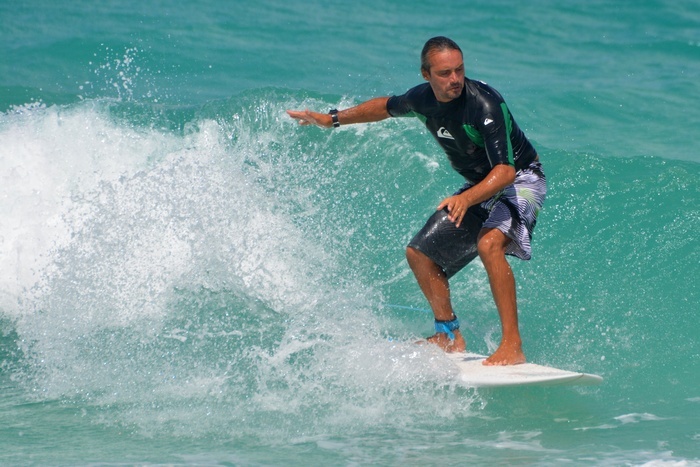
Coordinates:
(188,277)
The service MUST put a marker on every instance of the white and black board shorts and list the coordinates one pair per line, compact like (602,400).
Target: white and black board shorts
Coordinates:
(513,211)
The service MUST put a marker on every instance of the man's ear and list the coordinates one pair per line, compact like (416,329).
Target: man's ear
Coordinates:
(426,74)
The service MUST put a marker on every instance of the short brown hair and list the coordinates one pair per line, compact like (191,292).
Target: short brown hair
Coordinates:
(436,43)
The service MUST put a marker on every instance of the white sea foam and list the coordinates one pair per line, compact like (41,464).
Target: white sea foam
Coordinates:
(151,269)
(47,157)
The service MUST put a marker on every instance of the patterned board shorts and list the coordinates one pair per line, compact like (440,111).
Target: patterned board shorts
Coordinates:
(513,211)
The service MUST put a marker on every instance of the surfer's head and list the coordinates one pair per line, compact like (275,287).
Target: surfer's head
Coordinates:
(436,44)
(442,65)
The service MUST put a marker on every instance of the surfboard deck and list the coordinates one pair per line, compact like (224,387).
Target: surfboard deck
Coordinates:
(473,374)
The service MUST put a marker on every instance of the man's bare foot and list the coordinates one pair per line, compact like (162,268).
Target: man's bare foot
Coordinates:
(506,354)
(445,343)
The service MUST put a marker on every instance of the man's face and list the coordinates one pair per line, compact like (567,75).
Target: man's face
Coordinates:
(446,75)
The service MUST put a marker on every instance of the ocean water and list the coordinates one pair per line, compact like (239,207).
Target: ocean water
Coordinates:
(187,277)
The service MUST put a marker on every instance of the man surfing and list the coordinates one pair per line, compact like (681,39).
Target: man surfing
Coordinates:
(492,215)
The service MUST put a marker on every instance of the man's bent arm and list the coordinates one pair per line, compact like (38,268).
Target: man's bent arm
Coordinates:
(372,110)
(497,179)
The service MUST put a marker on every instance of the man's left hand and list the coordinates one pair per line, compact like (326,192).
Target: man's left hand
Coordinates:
(457,206)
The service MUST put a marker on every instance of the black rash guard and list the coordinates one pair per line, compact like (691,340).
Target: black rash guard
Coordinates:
(476,130)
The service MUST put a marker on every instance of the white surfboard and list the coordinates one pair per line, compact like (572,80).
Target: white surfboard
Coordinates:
(473,374)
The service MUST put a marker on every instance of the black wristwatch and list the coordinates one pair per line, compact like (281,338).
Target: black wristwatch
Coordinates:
(334,117)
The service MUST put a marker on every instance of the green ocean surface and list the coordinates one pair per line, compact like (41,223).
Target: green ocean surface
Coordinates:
(188,277)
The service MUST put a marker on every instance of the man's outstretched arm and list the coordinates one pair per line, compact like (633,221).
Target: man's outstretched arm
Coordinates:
(372,110)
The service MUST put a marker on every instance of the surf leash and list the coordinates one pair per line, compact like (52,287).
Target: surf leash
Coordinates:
(447,327)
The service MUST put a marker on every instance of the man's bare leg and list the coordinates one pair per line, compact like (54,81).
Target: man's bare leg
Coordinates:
(436,288)
(492,247)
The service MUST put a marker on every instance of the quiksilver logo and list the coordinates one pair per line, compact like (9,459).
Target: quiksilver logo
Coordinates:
(443,133)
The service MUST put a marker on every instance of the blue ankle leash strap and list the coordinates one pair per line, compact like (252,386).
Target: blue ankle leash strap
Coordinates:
(447,327)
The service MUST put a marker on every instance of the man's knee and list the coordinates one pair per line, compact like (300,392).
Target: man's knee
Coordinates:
(418,260)
(492,243)
(413,256)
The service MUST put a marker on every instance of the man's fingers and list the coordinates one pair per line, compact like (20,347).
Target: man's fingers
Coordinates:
(304,116)
(456,210)
(458,221)
(444,203)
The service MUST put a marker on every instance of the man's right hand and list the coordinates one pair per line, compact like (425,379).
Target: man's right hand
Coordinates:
(306,117)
